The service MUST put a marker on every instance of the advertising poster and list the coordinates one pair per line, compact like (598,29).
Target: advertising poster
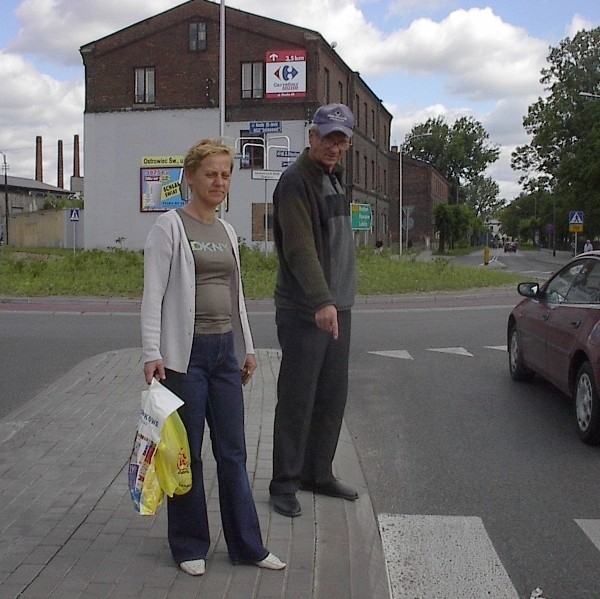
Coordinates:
(162,186)
(285,74)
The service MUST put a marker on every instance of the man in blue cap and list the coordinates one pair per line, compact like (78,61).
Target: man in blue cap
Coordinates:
(316,284)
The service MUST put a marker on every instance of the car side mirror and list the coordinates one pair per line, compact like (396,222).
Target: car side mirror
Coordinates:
(528,289)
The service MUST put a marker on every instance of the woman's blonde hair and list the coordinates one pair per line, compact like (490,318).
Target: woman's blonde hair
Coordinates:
(204,148)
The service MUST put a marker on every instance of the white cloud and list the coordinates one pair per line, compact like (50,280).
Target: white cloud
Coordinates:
(578,23)
(60,27)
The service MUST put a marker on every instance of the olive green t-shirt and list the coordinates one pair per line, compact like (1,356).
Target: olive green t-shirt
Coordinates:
(214,263)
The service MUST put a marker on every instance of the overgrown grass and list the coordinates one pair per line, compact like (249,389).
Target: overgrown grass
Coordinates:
(118,273)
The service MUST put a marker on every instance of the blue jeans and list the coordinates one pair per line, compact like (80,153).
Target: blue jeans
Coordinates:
(212,392)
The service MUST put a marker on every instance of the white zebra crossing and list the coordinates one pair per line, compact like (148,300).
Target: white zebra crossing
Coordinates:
(437,557)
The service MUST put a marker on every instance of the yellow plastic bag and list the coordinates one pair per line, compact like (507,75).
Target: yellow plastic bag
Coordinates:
(152,494)
(172,461)
(157,404)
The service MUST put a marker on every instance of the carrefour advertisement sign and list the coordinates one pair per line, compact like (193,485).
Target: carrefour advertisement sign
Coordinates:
(285,74)
(161,183)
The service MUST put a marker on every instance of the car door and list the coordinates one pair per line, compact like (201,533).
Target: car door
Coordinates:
(567,318)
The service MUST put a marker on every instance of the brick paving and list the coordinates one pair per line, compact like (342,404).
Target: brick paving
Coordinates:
(69,529)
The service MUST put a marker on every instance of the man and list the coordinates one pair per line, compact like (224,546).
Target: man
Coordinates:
(316,284)
(588,247)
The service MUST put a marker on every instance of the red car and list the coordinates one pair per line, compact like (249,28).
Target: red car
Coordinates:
(555,332)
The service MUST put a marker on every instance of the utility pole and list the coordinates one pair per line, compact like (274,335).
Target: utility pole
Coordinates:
(5,166)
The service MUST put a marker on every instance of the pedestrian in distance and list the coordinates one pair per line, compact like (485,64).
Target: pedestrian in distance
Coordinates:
(314,294)
(197,342)
(588,247)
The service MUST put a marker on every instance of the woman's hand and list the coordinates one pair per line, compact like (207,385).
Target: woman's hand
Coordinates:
(249,368)
(154,370)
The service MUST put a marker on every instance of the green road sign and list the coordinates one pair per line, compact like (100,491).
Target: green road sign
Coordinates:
(362,216)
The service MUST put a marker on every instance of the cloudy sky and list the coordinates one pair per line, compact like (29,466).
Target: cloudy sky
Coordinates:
(423,58)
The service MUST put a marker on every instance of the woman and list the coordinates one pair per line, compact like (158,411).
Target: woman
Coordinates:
(196,340)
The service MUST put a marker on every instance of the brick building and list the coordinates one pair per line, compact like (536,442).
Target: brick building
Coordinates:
(423,187)
(152,90)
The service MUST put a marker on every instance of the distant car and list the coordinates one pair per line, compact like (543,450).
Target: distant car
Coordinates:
(555,332)
(510,246)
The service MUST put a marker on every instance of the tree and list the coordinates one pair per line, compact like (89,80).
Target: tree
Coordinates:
(452,222)
(565,131)
(461,152)
(481,195)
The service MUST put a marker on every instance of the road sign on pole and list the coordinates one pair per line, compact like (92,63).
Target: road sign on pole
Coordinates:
(265,174)
(362,216)
(575,221)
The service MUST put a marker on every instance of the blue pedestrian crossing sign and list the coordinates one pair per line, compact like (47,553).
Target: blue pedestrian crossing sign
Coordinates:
(74,214)
(575,221)
(575,218)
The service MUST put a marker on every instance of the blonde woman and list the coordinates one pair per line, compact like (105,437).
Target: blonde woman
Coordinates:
(197,341)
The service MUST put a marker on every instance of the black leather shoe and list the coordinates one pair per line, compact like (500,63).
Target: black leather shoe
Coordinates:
(332,489)
(286,505)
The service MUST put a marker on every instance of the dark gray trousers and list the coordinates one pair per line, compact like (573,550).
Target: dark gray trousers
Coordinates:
(311,397)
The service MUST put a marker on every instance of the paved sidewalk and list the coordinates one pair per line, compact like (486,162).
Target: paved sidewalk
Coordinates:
(69,530)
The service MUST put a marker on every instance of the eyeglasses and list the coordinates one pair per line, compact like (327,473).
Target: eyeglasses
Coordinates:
(342,144)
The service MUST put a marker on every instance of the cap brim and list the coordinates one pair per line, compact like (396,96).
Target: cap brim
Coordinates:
(332,128)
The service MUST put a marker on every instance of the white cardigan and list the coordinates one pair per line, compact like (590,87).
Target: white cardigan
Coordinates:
(169,300)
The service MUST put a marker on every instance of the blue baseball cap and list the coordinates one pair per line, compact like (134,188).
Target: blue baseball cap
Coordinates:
(334,117)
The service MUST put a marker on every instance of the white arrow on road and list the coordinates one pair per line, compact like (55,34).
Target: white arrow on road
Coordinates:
(459,351)
(394,353)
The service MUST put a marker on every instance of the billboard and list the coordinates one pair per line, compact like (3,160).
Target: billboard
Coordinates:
(161,183)
(285,74)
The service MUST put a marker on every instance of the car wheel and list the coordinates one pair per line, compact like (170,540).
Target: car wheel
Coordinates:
(518,370)
(587,405)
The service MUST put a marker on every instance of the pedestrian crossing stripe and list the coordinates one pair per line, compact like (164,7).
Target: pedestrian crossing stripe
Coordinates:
(575,218)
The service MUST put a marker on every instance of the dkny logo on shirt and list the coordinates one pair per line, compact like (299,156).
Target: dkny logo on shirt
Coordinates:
(201,246)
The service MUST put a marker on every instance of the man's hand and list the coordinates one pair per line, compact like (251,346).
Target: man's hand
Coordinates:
(326,319)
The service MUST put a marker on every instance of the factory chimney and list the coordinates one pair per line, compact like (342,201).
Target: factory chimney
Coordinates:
(38,159)
(60,181)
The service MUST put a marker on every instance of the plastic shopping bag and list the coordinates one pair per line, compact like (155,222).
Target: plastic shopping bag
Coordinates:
(172,460)
(158,403)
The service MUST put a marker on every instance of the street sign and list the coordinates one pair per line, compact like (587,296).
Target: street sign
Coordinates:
(287,154)
(74,214)
(265,174)
(265,127)
(575,221)
(362,216)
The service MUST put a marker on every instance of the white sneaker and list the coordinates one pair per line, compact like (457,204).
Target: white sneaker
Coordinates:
(194,567)
(271,562)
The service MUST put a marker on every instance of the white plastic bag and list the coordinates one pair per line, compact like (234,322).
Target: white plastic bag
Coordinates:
(157,404)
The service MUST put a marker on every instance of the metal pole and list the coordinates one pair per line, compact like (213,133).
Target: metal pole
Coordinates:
(400,201)
(5,198)
(221,80)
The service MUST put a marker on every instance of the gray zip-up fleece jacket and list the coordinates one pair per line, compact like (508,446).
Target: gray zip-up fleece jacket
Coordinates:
(314,239)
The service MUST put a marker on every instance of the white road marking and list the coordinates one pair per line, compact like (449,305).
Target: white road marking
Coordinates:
(394,353)
(459,351)
(499,347)
(592,529)
(437,557)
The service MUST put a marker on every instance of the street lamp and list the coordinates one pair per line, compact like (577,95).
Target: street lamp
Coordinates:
(5,198)
(589,95)
(400,207)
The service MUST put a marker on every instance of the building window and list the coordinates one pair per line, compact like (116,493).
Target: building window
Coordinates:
(341,92)
(252,150)
(252,80)
(366,119)
(144,85)
(197,37)
(357,163)
(366,171)
(326,85)
(373,129)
